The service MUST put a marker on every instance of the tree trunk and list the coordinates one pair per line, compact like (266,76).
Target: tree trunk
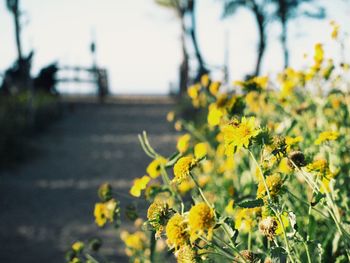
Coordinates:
(17,30)
(184,67)
(262,42)
(201,65)
(284,36)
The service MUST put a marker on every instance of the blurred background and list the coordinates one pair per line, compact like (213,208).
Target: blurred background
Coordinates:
(80,79)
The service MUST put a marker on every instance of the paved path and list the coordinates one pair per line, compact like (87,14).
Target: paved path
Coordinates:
(47,202)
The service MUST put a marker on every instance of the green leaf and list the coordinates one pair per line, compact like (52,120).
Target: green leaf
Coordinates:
(251,203)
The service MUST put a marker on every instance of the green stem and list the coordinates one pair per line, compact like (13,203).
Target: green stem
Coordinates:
(307,252)
(262,175)
(200,190)
(232,245)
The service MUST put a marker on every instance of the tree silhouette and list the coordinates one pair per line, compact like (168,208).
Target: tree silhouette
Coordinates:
(289,9)
(261,15)
(13,7)
(186,9)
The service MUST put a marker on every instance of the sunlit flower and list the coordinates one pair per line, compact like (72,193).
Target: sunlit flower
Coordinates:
(201,220)
(214,115)
(193,91)
(183,167)
(200,150)
(135,241)
(183,143)
(214,87)
(229,208)
(245,218)
(205,80)
(176,231)
(335,29)
(239,134)
(154,168)
(139,185)
(327,136)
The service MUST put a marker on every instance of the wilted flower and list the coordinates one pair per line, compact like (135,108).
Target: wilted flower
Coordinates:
(158,214)
(268,227)
(296,158)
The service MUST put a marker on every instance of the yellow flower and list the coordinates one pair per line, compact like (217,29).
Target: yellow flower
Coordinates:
(135,241)
(214,87)
(335,29)
(245,218)
(261,81)
(77,246)
(186,255)
(239,134)
(201,220)
(99,214)
(139,185)
(205,80)
(229,208)
(214,115)
(327,136)
(321,168)
(200,150)
(318,56)
(193,91)
(104,211)
(170,116)
(183,143)
(178,126)
(183,167)
(293,140)
(176,231)
(154,167)
(185,186)
(274,184)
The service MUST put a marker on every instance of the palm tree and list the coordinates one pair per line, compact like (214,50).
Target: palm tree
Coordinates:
(12,6)
(261,15)
(183,9)
(289,9)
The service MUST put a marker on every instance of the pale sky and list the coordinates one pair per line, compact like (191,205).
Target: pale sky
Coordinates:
(139,42)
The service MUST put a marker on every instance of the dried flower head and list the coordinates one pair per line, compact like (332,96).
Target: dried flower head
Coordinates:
(268,227)
(296,158)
